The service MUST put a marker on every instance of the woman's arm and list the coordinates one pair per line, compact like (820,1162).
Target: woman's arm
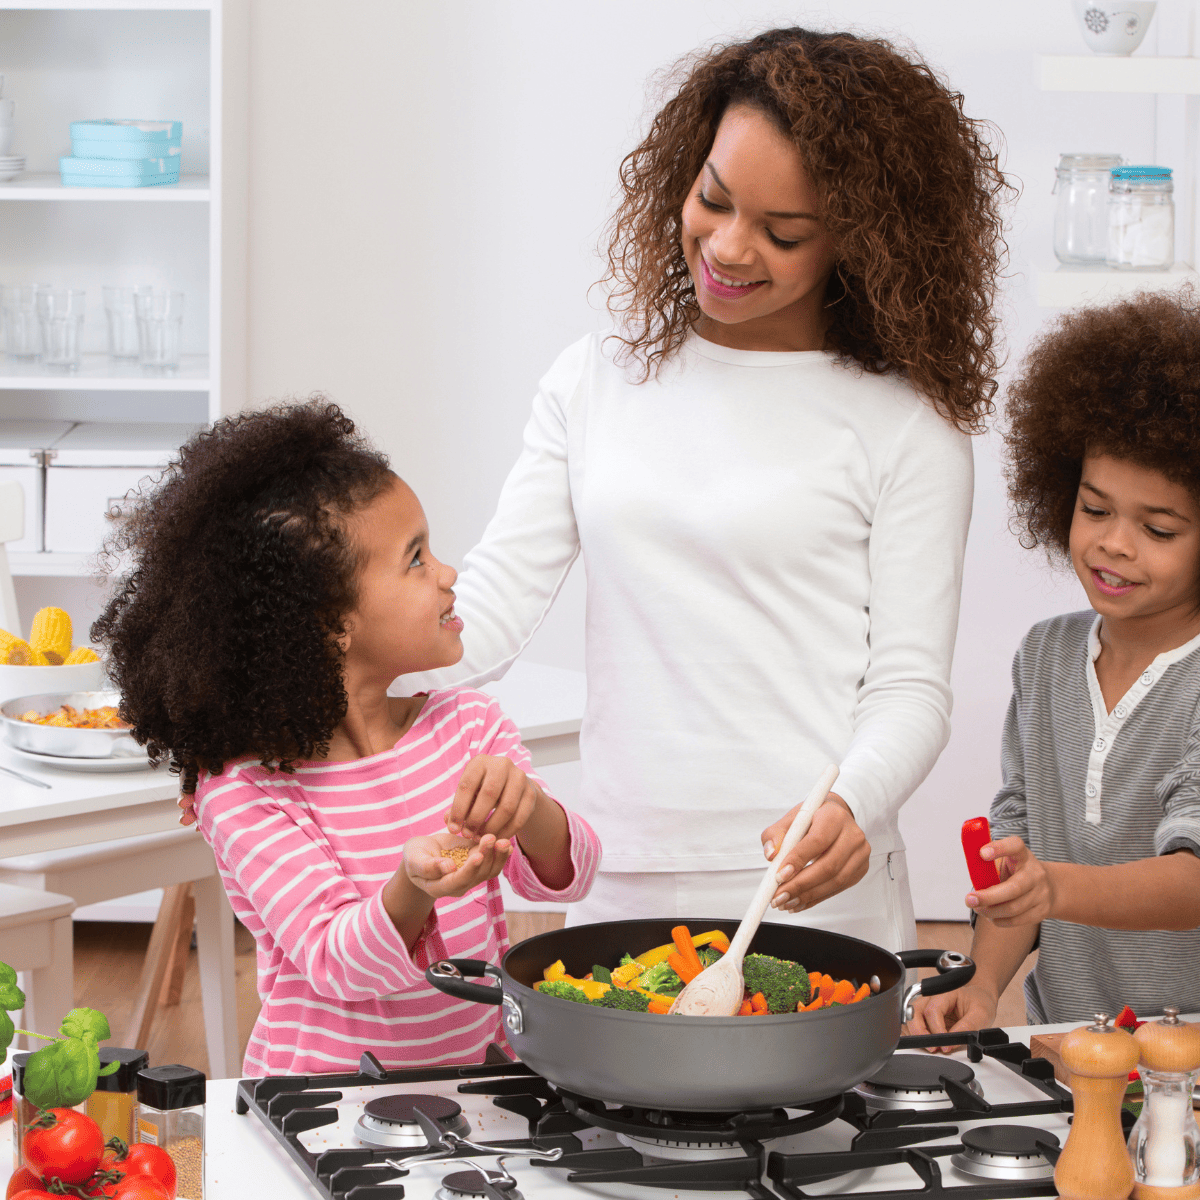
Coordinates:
(509,581)
(917,540)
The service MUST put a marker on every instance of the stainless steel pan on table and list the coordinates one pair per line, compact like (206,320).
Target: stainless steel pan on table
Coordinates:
(701,1064)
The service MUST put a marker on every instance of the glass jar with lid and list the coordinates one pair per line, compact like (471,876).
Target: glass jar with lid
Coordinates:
(1081,214)
(170,1114)
(1141,219)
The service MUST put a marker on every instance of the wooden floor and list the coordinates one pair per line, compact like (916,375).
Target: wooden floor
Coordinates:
(108,959)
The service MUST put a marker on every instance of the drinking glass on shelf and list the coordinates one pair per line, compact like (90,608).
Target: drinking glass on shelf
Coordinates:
(121,311)
(159,321)
(60,312)
(22,332)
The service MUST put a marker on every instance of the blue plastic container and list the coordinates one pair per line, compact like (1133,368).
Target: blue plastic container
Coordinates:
(117,172)
(117,138)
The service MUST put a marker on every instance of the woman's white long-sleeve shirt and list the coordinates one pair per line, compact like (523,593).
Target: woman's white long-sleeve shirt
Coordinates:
(773,546)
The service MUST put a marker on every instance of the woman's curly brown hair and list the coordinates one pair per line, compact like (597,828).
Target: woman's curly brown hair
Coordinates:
(911,191)
(223,638)
(1122,380)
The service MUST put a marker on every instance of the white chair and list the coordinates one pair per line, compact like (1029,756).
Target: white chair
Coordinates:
(35,939)
(181,862)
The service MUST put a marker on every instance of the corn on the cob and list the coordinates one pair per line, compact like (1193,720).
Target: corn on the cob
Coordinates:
(51,634)
(14,651)
(81,654)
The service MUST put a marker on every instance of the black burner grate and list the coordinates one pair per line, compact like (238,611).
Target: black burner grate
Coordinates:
(290,1105)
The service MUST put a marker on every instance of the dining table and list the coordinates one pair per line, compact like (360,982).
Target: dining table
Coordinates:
(53,809)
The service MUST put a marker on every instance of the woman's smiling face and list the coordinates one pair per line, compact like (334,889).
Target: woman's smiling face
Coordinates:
(754,240)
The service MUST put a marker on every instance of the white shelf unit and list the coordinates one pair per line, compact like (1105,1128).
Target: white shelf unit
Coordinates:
(1176,83)
(157,59)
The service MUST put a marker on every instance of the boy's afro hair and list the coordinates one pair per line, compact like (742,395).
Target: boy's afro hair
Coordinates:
(222,636)
(1122,380)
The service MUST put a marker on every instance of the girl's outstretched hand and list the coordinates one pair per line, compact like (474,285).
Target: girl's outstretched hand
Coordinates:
(429,869)
(494,796)
(1025,894)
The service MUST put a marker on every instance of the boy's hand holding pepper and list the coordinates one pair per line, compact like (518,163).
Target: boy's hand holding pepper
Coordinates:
(1025,894)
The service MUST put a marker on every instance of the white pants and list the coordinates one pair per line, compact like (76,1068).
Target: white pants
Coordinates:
(877,909)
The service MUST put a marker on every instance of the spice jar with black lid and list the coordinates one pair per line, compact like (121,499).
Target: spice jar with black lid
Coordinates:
(170,1114)
(22,1110)
(113,1102)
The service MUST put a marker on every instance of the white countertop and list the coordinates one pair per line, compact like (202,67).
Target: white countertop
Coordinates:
(240,1148)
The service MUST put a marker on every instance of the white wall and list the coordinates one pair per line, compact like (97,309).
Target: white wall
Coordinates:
(427,188)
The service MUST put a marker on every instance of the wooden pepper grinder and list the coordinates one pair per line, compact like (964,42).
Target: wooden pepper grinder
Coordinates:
(1095,1163)
(1164,1142)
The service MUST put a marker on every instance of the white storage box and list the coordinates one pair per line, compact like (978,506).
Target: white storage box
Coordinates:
(21,444)
(94,467)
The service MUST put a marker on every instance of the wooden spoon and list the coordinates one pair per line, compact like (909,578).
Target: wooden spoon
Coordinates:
(717,990)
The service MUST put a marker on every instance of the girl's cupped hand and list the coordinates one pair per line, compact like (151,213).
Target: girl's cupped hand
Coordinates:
(428,867)
(832,856)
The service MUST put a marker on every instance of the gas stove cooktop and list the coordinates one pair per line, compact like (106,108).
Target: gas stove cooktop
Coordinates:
(985,1125)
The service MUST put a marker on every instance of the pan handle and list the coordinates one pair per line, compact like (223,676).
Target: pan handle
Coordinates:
(449,976)
(954,971)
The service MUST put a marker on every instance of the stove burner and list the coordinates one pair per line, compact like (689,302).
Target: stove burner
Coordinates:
(914,1081)
(1005,1152)
(388,1121)
(469,1185)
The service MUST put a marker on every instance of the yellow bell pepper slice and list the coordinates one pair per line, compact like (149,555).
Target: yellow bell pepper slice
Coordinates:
(593,989)
(654,995)
(556,970)
(660,953)
(624,976)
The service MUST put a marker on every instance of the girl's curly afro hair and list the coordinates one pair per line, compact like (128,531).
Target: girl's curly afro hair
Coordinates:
(1122,380)
(223,638)
(911,191)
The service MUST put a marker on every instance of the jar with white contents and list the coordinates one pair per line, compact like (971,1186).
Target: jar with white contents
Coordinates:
(1141,219)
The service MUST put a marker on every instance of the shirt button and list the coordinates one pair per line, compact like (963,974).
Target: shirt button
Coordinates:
(1099,744)
(1119,710)
(1147,677)
(1091,789)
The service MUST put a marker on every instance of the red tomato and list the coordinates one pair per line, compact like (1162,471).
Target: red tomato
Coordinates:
(141,1187)
(142,1159)
(70,1148)
(23,1179)
(35,1193)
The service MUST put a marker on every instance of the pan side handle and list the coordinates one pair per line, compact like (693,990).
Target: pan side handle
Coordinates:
(954,971)
(450,974)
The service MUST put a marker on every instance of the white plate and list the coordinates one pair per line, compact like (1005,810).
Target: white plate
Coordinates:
(106,765)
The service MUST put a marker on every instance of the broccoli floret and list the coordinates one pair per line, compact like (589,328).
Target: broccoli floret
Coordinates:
(626,1000)
(784,984)
(709,955)
(562,989)
(627,959)
(661,979)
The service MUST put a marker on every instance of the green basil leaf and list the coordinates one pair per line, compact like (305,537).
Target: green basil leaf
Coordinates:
(85,1023)
(7,1032)
(111,1069)
(11,996)
(62,1074)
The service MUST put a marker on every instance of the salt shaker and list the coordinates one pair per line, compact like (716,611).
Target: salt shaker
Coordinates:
(1164,1142)
(1095,1164)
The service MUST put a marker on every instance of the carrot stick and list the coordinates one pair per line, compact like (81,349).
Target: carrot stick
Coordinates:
(862,993)
(657,1006)
(758,1002)
(746,1010)
(813,1005)
(843,992)
(683,943)
(826,987)
(720,942)
(683,969)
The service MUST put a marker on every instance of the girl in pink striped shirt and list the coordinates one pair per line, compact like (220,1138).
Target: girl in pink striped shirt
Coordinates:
(282,579)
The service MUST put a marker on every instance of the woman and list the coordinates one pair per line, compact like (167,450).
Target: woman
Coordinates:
(767,472)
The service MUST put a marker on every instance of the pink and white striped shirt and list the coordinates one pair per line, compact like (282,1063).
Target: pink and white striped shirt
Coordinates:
(304,858)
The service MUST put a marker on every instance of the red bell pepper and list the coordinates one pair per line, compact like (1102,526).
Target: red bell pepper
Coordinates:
(976,833)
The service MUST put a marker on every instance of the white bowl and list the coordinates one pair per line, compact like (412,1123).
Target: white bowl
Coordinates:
(1114,29)
(28,681)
